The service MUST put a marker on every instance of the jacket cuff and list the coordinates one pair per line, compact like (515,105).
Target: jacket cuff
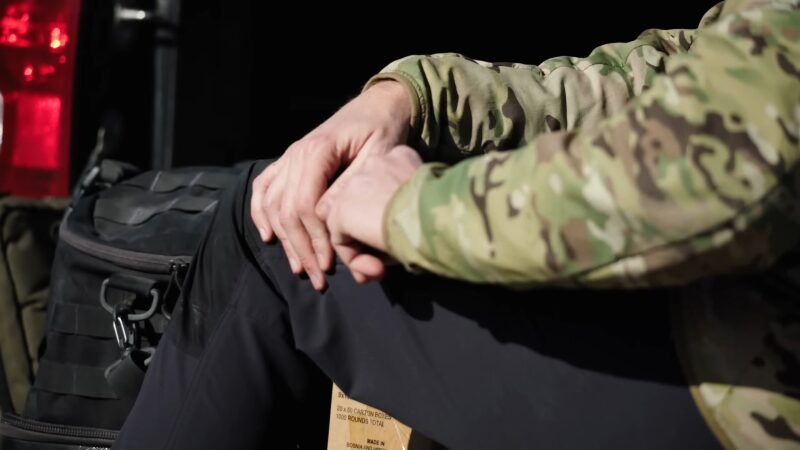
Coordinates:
(416,96)
(403,221)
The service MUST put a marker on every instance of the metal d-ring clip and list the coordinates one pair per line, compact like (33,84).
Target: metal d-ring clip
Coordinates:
(125,330)
(155,296)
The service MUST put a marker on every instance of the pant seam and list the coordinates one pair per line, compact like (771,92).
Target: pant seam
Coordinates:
(203,357)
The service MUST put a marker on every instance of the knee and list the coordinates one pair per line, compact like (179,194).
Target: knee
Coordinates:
(235,204)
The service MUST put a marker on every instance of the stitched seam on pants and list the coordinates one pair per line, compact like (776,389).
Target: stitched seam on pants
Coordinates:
(265,259)
(206,351)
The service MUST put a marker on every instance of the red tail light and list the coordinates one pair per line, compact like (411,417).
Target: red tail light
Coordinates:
(37,63)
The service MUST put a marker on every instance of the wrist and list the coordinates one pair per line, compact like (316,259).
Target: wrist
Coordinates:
(393,99)
(396,95)
(397,102)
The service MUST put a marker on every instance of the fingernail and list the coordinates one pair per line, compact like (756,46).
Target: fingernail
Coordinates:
(316,280)
(293,263)
(263,234)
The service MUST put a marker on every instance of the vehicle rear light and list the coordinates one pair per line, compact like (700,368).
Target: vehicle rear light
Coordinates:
(37,64)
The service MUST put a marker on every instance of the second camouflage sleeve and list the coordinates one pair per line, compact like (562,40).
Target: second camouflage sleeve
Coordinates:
(464,107)
(695,176)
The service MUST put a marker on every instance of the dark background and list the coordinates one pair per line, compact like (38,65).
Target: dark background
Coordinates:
(254,76)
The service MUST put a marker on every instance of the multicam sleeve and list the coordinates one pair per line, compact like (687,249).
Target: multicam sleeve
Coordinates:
(464,107)
(695,176)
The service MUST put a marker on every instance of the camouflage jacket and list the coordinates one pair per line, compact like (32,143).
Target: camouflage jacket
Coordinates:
(670,161)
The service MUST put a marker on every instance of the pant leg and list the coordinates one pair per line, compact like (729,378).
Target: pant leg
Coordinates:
(226,374)
(474,367)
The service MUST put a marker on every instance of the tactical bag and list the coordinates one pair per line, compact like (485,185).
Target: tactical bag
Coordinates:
(28,230)
(124,245)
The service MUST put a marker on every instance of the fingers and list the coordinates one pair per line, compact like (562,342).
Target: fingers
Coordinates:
(291,200)
(298,219)
(288,197)
(325,203)
(291,255)
(398,155)
(265,201)
(357,256)
(257,201)
(365,267)
(272,207)
(406,154)
(323,208)
(301,245)
(370,266)
(318,234)
(311,177)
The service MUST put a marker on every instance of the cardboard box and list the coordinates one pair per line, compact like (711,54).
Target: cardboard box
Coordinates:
(354,425)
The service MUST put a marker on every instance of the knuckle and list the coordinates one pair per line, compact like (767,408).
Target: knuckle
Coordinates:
(255,203)
(271,212)
(305,208)
(258,182)
(306,261)
(275,222)
(256,213)
(271,197)
(319,209)
(267,204)
(287,216)
(315,141)
(261,212)
(320,243)
(291,149)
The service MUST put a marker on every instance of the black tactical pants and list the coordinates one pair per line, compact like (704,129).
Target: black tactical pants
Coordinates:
(248,358)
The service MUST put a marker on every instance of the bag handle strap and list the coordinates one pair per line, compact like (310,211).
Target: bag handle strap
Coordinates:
(100,171)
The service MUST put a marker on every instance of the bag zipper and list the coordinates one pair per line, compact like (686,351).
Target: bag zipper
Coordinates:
(129,259)
(53,433)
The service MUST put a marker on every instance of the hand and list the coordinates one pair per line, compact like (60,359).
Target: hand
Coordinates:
(286,193)
(354,212)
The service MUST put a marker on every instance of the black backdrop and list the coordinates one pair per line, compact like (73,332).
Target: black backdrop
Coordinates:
(254,75)
(272,72)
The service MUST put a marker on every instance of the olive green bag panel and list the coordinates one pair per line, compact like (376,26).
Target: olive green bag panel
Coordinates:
(28,231)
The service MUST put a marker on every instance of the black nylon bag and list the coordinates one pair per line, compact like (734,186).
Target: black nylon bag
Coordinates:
(122,252)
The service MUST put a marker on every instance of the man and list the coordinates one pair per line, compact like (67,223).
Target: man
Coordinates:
(667,164)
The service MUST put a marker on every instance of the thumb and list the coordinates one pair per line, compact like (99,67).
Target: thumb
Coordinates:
(325,203)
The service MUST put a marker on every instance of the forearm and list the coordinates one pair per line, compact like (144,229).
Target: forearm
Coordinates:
(463,107)
(687,180)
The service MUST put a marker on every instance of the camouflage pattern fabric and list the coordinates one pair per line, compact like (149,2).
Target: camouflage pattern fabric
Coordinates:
(666,161)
